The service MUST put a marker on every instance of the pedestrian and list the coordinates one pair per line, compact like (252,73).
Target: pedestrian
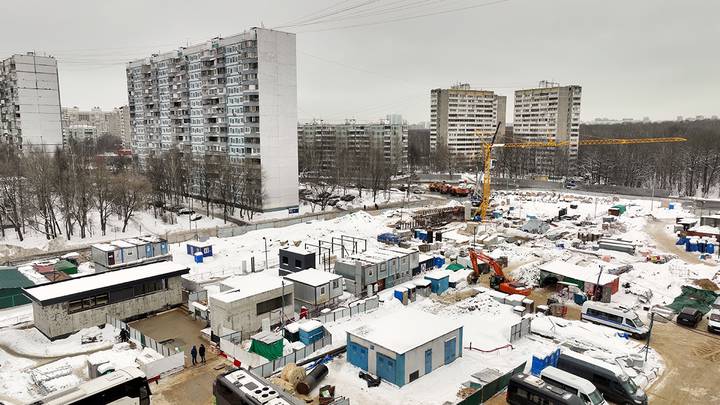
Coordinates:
(202,353)
(364,207)
(193,354)
(376,206)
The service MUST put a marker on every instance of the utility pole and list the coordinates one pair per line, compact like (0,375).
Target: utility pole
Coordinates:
(266,250)
(596,294)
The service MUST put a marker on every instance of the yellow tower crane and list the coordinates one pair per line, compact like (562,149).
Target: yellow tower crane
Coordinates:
(488,147)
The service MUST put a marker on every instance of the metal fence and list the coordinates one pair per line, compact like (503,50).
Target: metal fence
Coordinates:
(144,340)
(520,329)
(269,368)
(490,389)
(355,308)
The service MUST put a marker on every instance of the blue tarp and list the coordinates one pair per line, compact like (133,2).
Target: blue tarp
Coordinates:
(539,363)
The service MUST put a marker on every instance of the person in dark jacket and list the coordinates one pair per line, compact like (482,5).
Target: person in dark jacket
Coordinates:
(202,353)
(193,354)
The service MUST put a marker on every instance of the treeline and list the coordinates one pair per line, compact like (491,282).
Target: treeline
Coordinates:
(688,168)
(330,167)
(214,179)
(55,194)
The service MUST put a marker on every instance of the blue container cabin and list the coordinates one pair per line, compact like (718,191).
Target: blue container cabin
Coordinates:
(203,247)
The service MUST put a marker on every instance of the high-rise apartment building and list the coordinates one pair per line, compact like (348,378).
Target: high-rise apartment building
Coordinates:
(96,122)
(30,101)
(234,96)
(462,119)
(327,142)
(549,112)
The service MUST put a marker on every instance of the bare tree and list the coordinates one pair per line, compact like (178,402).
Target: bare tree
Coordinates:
(12,186)
(102,193)
(41,202)
(129,192)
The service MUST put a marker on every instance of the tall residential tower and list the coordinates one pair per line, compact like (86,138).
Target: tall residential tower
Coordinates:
(234,96)
(461,120)
(30,101)
(550,112)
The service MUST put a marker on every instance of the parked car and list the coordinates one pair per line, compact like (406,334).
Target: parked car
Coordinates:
(714,321)
(418,191)
(689,317)
(185,211)
(347,197)
(195,217)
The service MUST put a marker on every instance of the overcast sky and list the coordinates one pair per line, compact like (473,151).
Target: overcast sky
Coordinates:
(633,58)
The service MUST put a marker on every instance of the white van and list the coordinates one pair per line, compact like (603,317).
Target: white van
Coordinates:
(714,317)
(573,384)
(614,316)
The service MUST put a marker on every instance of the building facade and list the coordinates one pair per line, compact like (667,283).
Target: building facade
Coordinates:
(115,122)
(549,112)
(65,307)
(30,101)
(327,143)
(462,119)
(233,96)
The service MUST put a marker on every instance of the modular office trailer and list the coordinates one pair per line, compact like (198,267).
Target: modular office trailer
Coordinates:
(404,346)
(121,254)
(371,271)
(315,289)
(65,307)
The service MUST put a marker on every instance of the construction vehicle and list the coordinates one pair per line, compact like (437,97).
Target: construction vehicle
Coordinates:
(481,212)
(498,280)
(460,191)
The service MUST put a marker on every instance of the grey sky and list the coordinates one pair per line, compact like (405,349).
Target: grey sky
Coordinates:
(634,58)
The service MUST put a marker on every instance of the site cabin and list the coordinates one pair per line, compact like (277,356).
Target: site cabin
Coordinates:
(405,345)
(250,299)
(204,248)
(122,254)
(369,272)
(439,281)
(315,289)
(65,307)
(294,259)
(12,283)
(585,278)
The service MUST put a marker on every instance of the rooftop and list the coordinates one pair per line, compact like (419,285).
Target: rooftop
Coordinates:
(10,277)
(313,277)
(250,285)
(54,291)
(437,275)
(405,329)
(297,249)
(585,274)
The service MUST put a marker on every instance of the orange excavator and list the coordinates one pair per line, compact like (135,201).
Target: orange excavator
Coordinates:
(498,281)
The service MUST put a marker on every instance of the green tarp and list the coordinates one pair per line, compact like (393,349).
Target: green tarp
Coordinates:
(66,267)
(694,298)
(270,351)
(455,267)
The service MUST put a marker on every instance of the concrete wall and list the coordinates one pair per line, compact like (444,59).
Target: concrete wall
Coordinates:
(55,321)
(413,360)
(277,81)
(242,316)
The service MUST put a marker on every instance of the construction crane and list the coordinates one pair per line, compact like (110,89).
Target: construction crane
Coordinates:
(488,147)
(498,281)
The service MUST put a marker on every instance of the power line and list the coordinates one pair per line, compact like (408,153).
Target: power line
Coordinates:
(430,14)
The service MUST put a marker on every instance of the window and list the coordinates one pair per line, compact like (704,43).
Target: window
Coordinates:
(298,263)
(322,290)
(87,303)
(285,260)
(414,375)
(273,304)
(336,283)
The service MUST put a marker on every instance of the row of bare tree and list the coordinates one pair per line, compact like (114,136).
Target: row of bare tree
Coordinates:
(55,194)
(213,178)
(330,166)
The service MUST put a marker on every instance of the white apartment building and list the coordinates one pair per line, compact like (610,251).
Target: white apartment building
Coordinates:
(30,101)
(549,112)
(326,141)
(462,119)
(235,96)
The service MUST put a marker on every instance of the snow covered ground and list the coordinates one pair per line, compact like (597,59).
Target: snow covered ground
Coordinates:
(31,366)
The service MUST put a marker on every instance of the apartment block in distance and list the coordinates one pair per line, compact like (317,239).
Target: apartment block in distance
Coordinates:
(96,122)
(233,96)
(326,141)
(549,112)
(462,119)
(30,101)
